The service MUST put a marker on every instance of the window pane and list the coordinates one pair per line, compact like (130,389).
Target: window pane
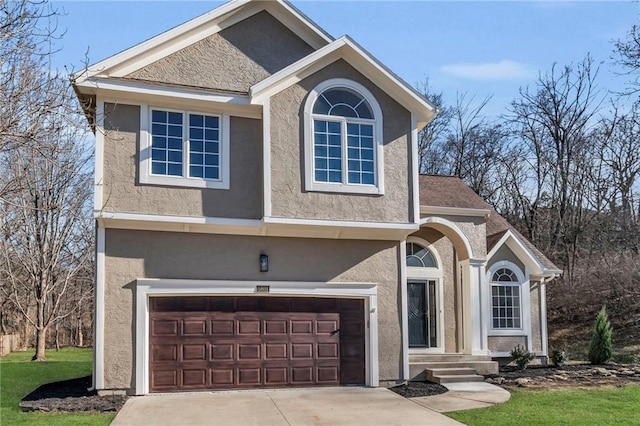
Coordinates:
(166,143)
(321,106)
(343,111)
(328,152)
(505,302)
(360,154)
(204,146)
(174,169)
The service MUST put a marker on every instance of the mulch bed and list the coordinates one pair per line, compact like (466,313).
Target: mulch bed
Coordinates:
(70,395)
(415,389)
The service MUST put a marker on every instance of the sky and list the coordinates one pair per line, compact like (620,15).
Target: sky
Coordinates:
(481,48)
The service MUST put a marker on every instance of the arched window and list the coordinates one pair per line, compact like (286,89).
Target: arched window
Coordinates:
(420,257)
(506,300)
(344,132)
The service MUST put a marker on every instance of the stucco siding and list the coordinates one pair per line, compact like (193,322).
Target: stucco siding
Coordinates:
(122,193)
(289,198)
(536,318)
(223,257)
(505,343)
(233,59)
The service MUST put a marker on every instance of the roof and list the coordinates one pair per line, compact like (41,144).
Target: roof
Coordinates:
(451,191)
(346,48)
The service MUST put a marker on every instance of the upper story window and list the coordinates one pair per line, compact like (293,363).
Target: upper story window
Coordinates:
(185,149)
(343,131)
(506,300)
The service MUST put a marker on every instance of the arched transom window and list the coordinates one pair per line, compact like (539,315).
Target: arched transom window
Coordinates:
(344,131)
(420,257)
(506,303)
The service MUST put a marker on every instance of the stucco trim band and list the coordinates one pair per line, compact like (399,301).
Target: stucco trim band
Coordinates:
(146,288)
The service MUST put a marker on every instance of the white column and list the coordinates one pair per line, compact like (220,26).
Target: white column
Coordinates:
(478,307)
(402,261)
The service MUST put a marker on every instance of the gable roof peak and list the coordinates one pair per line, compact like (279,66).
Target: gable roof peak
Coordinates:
(201,27)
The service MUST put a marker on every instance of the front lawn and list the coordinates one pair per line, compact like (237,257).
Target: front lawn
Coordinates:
(567,406)
(19,376)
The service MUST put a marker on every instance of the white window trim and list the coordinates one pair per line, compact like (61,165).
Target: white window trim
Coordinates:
(145,175)
(427,274)
(310,184)
(525,302)
(150,287)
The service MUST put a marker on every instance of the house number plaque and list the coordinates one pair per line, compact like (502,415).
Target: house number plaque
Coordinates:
(262,289)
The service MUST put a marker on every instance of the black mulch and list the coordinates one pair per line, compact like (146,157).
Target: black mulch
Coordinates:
(70,395)
(415,389)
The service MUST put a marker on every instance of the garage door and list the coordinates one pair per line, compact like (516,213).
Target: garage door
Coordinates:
(248,342)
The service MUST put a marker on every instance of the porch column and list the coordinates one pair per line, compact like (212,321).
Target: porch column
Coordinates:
(478,305)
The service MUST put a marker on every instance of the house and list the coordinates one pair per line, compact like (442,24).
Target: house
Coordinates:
(261,221)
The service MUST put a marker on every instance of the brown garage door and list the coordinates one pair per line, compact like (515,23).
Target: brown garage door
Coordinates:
(247,342)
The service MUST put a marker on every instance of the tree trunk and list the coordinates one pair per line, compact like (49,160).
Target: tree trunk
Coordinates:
(80,335)
(57,338)
(41,340)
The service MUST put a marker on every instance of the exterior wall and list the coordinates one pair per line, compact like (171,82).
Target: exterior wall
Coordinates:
(287,158)
(122,193)
(505,253)
(205,256)
(474,228)
(505,343)
(233,59)
(446,251)
(536,318)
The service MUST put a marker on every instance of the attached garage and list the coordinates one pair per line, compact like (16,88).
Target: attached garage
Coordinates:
(241,342)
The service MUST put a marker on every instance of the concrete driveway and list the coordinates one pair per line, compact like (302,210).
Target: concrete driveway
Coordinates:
(324,406)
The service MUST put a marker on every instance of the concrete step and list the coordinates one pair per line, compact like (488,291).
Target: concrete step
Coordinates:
(417,370)
(451,371)
(458,378)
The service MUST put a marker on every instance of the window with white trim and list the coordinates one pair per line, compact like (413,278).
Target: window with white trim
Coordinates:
(506,300)
(343,129)
(420,257)
(185,149)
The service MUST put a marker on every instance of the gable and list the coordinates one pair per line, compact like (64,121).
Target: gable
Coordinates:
(231,60)
(505,253)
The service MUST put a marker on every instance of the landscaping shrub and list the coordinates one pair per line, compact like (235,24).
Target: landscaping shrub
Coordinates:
(601,345)
(521,356)
(559,357)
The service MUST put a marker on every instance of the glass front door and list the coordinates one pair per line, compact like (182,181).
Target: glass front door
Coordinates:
(423,313)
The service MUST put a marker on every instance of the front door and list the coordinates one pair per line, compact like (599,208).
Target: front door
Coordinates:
(423,313)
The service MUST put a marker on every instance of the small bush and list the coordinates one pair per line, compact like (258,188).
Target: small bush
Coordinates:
(601,345)
(521,356)
(559,357)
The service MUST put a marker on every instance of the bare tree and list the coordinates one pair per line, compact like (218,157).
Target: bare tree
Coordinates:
(627,54)
(46,231)
(432,138)
(554,122)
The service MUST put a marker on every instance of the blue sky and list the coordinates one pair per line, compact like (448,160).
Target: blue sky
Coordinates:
(478,47)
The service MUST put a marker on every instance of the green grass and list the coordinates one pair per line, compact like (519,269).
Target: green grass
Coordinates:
(608,406)
(19,376)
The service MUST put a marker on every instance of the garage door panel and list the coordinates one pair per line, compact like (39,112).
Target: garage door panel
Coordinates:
(249,352)
(327,375)
(301,327)
(276,327)
(164,379)
(276,376)
(247,349)
(164,353)
(194,327)
(276,351)
(194,378)
(193,352)
(222,352)
(168,327)
(248,327)
(222,327)
(249,376)
(222,377)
